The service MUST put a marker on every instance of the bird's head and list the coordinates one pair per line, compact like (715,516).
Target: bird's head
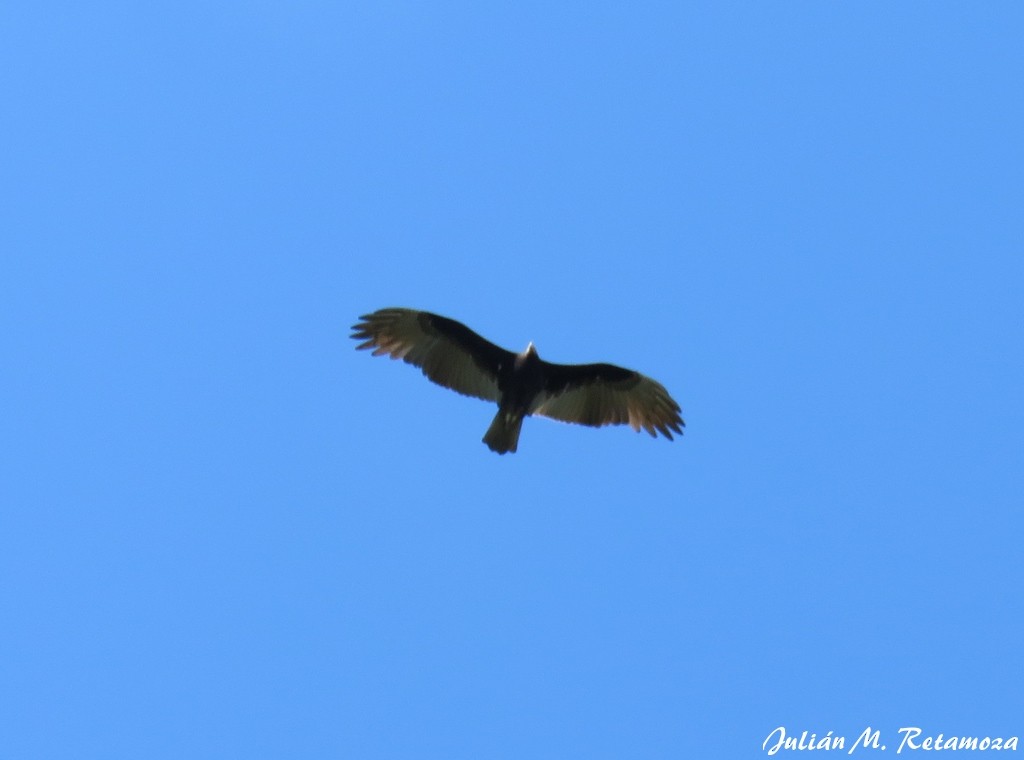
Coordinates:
(528,357)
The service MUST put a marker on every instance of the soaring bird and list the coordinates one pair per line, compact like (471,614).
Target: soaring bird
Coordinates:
(452,355)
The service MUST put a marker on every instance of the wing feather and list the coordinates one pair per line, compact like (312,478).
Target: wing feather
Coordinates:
(603,394)
(448,352)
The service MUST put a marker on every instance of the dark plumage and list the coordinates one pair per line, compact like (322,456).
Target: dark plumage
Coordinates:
(452,355)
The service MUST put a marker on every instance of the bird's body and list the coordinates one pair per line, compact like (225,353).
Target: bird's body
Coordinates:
(519,383)
(452,355)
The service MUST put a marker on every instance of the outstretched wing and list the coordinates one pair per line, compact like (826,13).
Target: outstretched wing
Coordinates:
(448,352)
(603,394)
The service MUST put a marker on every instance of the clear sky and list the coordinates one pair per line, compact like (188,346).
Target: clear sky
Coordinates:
(226,533)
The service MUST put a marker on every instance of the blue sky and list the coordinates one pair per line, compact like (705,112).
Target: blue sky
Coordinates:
(225,533)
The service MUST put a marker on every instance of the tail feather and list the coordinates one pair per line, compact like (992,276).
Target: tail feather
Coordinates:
(503,434)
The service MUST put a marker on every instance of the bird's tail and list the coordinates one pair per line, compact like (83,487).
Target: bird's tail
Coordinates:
(503,434)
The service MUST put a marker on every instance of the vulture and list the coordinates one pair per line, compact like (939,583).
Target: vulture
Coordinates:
(452,355)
